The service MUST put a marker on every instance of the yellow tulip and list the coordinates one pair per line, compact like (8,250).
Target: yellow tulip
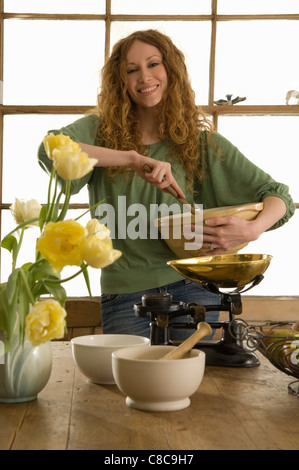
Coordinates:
(53,141)
(99,253)
(46,321)
(24,209)
(61,243)
(68,159)
(94,227)
(98,250)
(72,164)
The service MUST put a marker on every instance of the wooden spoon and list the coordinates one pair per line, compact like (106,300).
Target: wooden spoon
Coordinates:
(173,192)
(203,329)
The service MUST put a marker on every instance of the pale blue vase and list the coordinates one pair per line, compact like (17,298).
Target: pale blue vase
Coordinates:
(24,371)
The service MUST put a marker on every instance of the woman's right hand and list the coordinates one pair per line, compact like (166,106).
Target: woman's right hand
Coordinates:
(160,175)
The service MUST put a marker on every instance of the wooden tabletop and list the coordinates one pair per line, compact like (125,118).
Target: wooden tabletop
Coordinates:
(234,408)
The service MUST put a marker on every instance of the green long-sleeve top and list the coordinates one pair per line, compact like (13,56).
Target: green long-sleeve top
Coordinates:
(229,179)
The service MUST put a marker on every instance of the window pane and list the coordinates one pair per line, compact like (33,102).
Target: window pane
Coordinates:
(256,7)
(281,278)
(191,37)
(63,64)
(75,287)
(271,142)
(279,156)
(154,7)
(55,6)
(21,159)
(253,135)
(256,59)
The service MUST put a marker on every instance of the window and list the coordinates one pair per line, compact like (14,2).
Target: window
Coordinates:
(51,53)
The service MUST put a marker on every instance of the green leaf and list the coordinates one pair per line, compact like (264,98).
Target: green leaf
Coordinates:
(56,290)
(26,285)
(23,310)
(9,243)
(3,310)
(12,285)
(43,215)
(8,312)
(42,269)
(47,287)
(86,277)
(26,266)
(3,286)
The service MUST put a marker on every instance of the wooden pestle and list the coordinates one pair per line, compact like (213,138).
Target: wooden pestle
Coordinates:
(203,329)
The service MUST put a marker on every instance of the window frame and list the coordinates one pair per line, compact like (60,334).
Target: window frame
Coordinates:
(211,109)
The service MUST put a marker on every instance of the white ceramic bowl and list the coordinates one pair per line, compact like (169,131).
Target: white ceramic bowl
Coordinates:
(92,354)
(157,385)
(171,227)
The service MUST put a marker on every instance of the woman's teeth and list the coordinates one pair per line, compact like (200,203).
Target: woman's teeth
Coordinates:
(147,90)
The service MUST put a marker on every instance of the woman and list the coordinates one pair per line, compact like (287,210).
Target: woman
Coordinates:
(146,115)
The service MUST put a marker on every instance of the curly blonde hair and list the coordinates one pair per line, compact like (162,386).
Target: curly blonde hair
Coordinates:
(178,117)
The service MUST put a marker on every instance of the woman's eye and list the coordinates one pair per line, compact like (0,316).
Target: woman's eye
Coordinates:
(131,70)
(154,64)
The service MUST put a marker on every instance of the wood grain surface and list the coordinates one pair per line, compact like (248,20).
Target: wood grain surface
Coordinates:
(233,409)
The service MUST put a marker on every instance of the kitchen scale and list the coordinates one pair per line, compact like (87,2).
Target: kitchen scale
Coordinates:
(226,275)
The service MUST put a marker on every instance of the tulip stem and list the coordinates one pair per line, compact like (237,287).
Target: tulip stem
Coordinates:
(16,251)
(50,204)
(66,201)
(82,270)
(50,184)
(83,267)
(90,209)
(22,225)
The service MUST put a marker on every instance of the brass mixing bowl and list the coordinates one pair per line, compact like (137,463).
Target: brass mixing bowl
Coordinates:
(224,271)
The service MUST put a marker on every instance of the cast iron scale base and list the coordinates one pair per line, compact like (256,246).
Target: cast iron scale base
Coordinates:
(228,351)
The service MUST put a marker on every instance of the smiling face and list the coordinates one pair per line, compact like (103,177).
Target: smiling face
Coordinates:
(146,75)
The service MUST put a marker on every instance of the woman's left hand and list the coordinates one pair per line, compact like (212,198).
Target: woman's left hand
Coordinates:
(221,234)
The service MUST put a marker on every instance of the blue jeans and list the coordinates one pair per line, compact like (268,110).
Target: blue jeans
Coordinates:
(118,315)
